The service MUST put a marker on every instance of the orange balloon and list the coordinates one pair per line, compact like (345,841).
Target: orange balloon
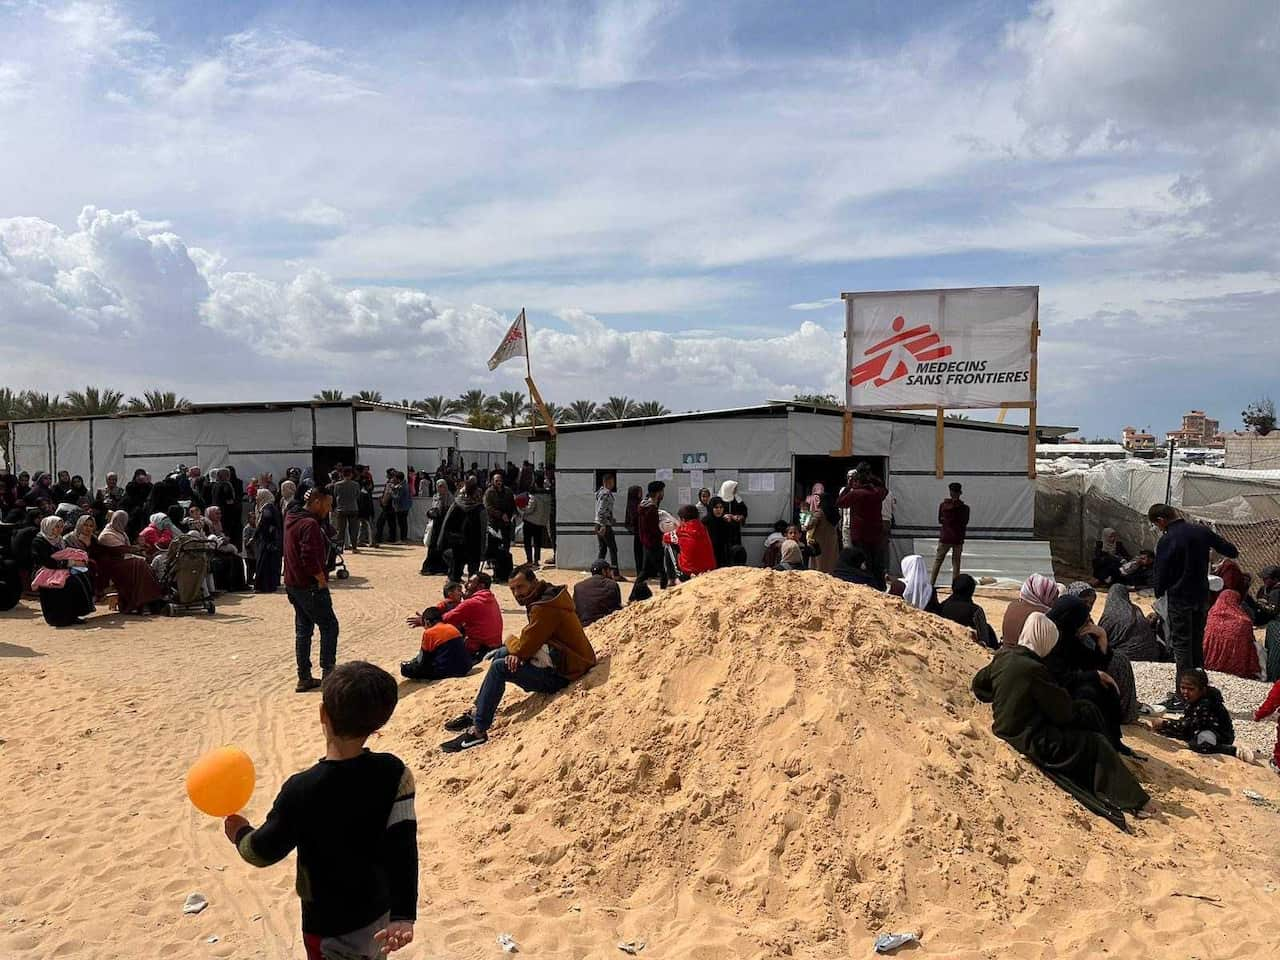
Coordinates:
(221,782)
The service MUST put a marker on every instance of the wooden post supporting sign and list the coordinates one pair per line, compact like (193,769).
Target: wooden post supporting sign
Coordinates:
(939,444)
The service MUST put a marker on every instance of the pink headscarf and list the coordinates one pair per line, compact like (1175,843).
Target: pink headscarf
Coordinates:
(815,497)
(1040,590)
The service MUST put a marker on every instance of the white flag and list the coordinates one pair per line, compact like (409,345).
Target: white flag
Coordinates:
(514,344)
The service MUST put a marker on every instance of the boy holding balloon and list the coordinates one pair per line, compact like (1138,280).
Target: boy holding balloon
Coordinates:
(351,818)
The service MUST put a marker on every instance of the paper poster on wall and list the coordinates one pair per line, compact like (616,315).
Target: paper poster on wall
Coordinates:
(699,459)
(695,478)
(766,483)
(685,496)
(664,473)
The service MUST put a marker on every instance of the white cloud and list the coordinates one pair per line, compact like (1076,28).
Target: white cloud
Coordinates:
(317,213)
(816,304)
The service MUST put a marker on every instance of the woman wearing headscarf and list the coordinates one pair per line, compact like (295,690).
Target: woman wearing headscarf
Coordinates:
(1128,631)
(81,537)
(120,563)
(156,536)
(719,530)
(792,557)
(631,518)
(1228,638)
(233,511)
(465,530)
(1037,595)
(288,490)
(916,588)
(65,602)
(822,530)
(960,608)
(852,566)
(1081,662)
(735,511)
(1037,716)
(434,561)
(268,543)
(224,563)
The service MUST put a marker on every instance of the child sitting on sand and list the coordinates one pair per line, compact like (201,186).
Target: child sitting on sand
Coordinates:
(452,596)
(1205,725)
(443,652)
(352,819)
(1269,706)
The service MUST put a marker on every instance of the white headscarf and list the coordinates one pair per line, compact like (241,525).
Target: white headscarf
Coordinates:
(265,496)
(729,491)
(49,528)
(116,532)
(915,576)
(1039,635)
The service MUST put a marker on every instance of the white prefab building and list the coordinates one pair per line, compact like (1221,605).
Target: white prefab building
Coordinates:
(777,452)
(252,437)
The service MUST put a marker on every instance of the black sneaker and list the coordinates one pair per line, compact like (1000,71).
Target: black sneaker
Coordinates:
(465,741)
(306,685)
(460,723)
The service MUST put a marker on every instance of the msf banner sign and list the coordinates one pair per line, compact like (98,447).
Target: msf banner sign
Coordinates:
(940,348)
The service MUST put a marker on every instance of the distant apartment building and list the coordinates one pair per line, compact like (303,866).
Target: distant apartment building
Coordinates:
(1135,440)
(1197,430)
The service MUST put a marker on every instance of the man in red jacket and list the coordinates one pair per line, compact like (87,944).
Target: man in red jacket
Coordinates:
(953,524)
(306,581)
(862,498)
(479,617)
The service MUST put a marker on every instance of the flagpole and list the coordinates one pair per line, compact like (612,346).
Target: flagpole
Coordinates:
(533,388)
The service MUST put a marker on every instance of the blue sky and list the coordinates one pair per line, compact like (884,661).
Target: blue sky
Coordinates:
(362,195)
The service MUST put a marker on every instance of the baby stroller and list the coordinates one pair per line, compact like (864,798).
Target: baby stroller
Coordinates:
(186,575)
(336,562)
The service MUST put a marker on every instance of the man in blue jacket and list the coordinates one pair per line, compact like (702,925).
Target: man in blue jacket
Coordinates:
(1182,577)
(403,504)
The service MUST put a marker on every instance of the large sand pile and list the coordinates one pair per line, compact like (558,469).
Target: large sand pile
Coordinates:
(798,754)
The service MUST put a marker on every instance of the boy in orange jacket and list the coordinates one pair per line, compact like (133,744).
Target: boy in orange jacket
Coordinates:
(443,652)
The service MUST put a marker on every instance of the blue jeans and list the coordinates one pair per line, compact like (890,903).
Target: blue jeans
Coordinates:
(313,607)
(527,677)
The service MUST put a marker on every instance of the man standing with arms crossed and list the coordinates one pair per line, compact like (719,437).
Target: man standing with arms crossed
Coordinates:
(1182,579)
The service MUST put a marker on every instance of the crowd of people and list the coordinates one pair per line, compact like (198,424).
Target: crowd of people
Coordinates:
(1062,685)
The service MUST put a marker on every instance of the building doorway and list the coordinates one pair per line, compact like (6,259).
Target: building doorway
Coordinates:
(830,472)
(324,459)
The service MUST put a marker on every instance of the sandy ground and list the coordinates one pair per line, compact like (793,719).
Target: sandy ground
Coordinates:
(99,723)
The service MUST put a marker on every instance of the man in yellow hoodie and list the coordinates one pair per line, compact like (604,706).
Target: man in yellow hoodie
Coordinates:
(550,653)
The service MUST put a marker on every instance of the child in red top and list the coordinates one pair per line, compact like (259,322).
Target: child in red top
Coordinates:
(452,596)
(696,553)
(1269,706)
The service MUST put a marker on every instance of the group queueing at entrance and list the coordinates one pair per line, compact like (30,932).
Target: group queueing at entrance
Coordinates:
(1060,684)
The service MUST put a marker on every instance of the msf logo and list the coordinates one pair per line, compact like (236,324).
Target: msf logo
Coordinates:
(889,358)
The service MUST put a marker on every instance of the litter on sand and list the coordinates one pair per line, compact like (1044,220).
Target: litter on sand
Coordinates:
(1255,797)
(195,903)
(508,943)
(213,939)
(888,942)
(632,947)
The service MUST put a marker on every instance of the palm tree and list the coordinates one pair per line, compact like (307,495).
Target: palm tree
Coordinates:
(510,404)
(581,411)
(617,408)
(41,406)
(650,408)
(92,402)
(10,409)
(369,396)
(473,403)
(437,407)
(156,401)
(533,416)
(328,396)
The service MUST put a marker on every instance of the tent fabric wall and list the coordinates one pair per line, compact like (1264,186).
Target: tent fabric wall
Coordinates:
(333,426)
(736,449)
(71,448)
(383,441)
(31,451)
(108,452)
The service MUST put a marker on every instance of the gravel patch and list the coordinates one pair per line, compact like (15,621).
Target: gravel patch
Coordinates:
(1155,680)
